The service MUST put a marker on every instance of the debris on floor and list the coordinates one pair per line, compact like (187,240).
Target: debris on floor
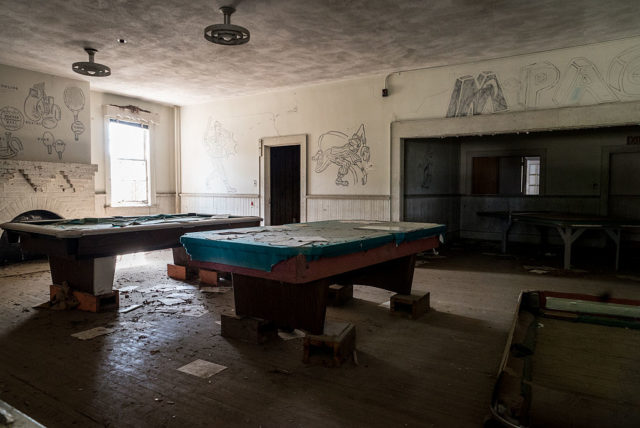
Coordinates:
(540,270)
(202,368)
(92,333)
(130,308)
(219,290)
(289,335)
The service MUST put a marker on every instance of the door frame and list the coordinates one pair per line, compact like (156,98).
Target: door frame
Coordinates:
(605,174)
(265,173)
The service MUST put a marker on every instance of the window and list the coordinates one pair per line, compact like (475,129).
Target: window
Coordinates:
(505,175)
(129,163)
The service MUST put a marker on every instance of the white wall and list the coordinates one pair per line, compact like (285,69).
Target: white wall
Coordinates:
(601,74)
(39,114)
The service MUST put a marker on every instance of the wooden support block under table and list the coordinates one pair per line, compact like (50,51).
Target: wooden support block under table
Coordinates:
(90,303)
(248,329)
(413,305)
(339,294)
(208,277)
(333,347)
(181,273)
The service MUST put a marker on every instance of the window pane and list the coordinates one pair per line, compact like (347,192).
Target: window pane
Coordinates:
(127,141)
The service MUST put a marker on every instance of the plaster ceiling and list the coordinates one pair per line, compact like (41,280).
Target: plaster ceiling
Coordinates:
(293,42)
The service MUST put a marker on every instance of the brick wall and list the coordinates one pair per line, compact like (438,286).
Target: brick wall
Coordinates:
(65,189)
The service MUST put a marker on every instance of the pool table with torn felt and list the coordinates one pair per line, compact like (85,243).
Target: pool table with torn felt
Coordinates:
(82,252)
(282,273)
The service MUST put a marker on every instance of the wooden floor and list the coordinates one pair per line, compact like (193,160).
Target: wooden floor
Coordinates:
(438,370)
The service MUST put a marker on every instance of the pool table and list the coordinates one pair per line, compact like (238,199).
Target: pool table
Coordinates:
(282,273)
(82,252)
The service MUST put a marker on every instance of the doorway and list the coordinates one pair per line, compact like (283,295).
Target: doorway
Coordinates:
(284,181)
(283,178)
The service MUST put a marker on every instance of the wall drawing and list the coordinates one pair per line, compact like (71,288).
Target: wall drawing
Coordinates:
(41,109)
(624,73)
(582,77)
(50,142)
(536,79)
(427,169)
(220,146)
(11,118)
(10,146)
(348,153)
(74,100)
(477,96)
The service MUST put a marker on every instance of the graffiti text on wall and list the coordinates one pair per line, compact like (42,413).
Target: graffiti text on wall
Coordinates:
(475,96)
(347,153)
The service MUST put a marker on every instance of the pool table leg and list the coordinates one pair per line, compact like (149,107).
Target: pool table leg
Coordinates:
(394,275)
(287,305)
(93,276)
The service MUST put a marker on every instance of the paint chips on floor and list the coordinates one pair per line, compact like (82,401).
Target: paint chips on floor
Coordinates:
(202,368)
(94,332)
(295,334)
(215,289)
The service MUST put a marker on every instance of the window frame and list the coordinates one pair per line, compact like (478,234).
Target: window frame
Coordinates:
(151,193)
(522,153)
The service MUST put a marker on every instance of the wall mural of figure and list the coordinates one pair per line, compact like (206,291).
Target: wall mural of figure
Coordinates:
(74,100)
(40,108)
(220,146)
(347,153)
(10,146)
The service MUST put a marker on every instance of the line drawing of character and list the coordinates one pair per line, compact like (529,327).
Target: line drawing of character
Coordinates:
(9,146)
(59,147)
(220,146)
(348,153)
(40,108)
(74,100)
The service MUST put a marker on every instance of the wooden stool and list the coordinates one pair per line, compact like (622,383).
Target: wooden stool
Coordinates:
(339,294)
(88,302)
(331,348)
(253,330)
(412,304)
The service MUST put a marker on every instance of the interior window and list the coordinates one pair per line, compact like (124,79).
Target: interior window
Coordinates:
(129,159)
(506,175)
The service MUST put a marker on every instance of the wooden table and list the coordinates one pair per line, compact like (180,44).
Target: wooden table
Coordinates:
(282,273)
(568,225)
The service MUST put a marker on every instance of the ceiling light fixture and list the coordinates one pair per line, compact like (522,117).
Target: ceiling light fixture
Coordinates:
(226,34)
(91,68)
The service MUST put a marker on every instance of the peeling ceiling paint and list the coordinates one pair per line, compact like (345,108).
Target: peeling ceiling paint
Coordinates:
(293,42)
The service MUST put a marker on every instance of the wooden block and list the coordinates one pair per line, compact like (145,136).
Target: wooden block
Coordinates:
(208,277)
(254,330)
(333,347)
(413,305)
(88,302)
(338,294)
(181,273)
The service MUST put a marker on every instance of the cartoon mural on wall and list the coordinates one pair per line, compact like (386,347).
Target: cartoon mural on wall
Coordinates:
(40,108)
(10,146)
(50,142)
(74,100)
(220,145)
(11,118)
(476,96)
(349,154)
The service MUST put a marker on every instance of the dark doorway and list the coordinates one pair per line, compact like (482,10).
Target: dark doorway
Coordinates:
(285,184)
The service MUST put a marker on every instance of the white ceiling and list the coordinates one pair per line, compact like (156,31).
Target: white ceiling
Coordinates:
(293,42)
